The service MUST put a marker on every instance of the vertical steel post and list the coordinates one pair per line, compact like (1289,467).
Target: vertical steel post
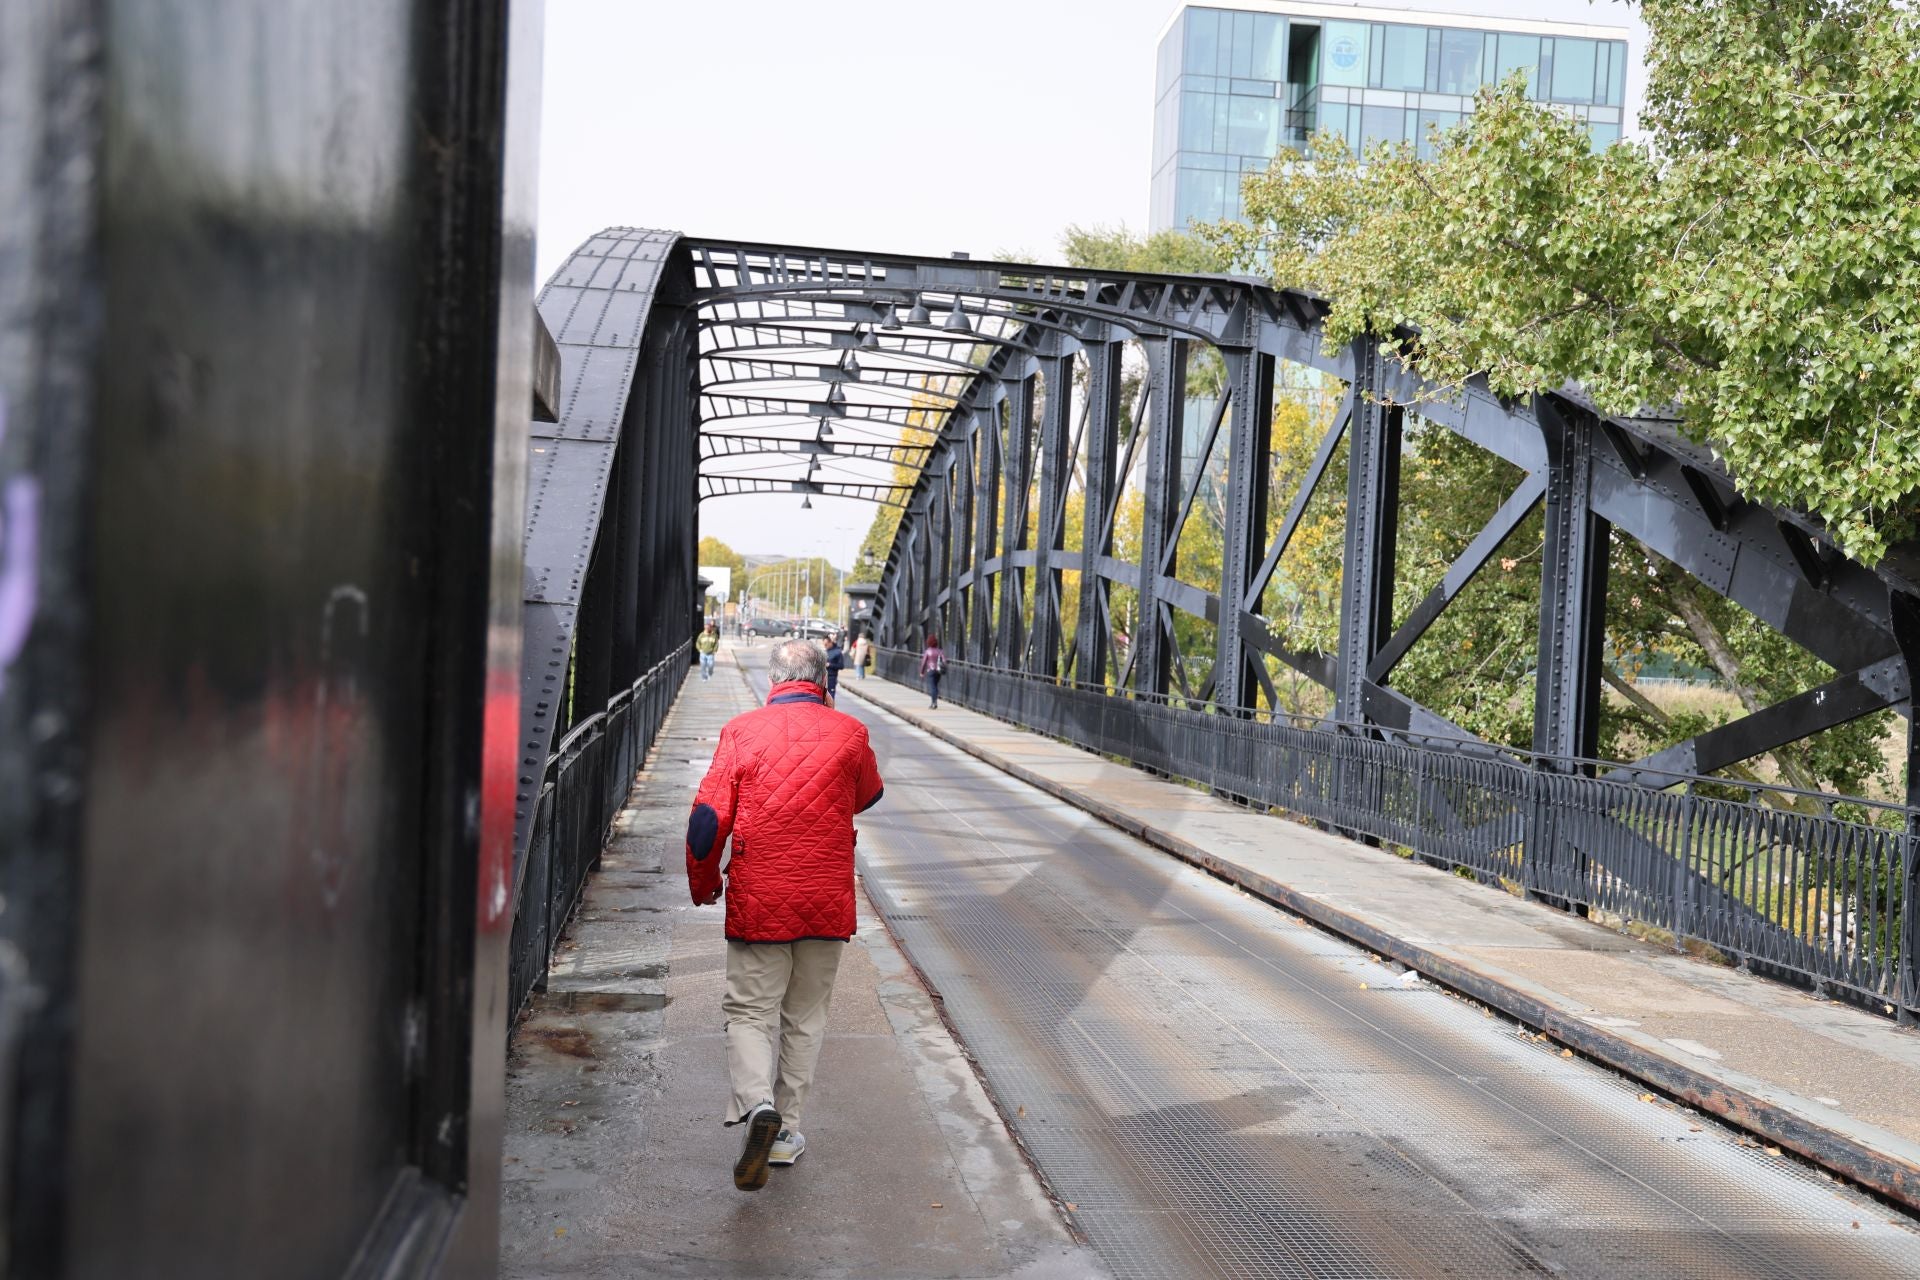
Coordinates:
(961,448)
(1055,427)
(986,434)
(1573,600)
(1103,447)
(1249,446)
(1905,612)
(1166,406)
(943,559)
(1373,519)
(1017,463)
(1573,590)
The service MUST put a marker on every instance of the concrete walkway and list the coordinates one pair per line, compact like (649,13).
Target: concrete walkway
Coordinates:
(616,1162)
(1831,1082)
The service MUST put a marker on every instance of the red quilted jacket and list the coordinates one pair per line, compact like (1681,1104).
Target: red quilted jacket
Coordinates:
(785,783)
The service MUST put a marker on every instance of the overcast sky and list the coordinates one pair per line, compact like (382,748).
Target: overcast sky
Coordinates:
(922,126)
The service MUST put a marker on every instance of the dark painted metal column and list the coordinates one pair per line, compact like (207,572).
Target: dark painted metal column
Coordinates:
(1573,597)
(263,450)
(1103,444)
(960,449)
(1013,519)
(1249,446)
(941,585)
(1573,589)
(1166,405)
(1905,613)
(1055,427)
(1373,505)
(986,497)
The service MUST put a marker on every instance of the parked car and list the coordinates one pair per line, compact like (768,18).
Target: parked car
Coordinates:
(814,629)
(766,625)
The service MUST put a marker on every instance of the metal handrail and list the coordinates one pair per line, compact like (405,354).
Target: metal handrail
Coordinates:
(1419,737)
(1816,898)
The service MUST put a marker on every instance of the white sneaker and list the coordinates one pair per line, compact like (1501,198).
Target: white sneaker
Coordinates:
(763,1126)
(788,1147)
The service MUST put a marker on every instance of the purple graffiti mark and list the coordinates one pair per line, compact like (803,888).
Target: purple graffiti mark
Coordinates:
(19,560)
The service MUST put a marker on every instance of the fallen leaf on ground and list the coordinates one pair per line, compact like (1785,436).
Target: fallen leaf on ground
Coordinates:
(1566,1053)
(1020,1110)
(936,1205)
(560,1231)
(1646,1097)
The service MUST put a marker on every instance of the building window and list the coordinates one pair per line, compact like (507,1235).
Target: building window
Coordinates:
(1573,70)
(1459,62)
(1518,53)
(1203,40)
(1404,58)
(1382,124)
(1344,59)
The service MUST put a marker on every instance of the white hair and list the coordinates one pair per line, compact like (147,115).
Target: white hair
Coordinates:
(798,660)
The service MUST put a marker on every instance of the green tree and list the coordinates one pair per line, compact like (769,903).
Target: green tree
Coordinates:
(1757,260)
(715,552)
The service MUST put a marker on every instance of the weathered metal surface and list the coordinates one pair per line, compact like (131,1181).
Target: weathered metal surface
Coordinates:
(264,334)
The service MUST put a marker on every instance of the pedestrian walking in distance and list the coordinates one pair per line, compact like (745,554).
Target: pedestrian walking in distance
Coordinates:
(933,662)
(862,654)
(708,644)
(785,782)
(836,663)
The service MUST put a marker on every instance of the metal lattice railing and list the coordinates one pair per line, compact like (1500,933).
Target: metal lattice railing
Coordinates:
(1810,893)
(585,782)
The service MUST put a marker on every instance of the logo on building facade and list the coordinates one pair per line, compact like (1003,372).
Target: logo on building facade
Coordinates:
(1346,53)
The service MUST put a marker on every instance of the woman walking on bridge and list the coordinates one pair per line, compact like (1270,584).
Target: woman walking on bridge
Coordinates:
(933,663)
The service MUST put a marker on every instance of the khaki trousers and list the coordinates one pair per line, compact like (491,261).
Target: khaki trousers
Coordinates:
(784,986)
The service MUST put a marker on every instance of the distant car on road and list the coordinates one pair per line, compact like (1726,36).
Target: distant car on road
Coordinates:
(813,629)
(758,627)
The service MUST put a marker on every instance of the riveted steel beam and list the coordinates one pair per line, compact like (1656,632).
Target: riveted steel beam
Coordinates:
(1151,649)
(1093,639)
(1055,425)
(1249,469)
(1373,506)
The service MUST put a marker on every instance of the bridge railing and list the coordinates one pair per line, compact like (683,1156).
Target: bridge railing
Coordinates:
(1800,886)
(582,787)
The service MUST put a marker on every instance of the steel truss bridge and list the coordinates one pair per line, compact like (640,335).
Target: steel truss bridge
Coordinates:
(954,389)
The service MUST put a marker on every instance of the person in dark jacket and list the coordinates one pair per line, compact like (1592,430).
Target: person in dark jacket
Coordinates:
(785,782)
(836,662)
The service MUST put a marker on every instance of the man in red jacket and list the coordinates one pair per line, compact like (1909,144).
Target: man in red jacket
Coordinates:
(785,783)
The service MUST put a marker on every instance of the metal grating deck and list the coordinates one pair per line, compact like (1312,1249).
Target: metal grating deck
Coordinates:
(1206,1081)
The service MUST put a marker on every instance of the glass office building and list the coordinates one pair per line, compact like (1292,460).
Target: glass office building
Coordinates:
(1235,87)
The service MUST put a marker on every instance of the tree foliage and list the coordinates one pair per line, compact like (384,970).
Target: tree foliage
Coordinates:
(1757,260)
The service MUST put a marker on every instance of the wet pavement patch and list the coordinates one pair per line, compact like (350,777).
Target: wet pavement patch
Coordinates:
(603,1001)
(571,1041)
